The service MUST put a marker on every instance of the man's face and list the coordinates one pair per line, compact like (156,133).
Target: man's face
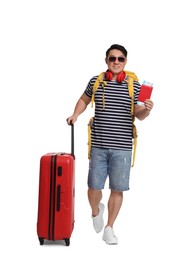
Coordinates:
(116,61)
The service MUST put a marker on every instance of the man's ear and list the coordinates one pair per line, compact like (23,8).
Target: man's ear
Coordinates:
(106,60)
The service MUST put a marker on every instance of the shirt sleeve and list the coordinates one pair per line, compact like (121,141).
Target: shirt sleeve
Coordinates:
(88,90)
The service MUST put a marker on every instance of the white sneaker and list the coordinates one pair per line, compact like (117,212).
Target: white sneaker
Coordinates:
(98,221)
(109,237)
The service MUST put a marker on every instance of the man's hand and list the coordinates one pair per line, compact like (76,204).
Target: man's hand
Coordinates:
(148,104)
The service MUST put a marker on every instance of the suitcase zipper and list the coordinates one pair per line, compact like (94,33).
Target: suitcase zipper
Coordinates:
(52,197)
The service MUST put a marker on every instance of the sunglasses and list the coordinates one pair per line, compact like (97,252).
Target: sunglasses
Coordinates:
(113,59)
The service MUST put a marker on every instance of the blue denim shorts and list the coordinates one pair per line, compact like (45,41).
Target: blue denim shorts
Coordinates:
(112,163)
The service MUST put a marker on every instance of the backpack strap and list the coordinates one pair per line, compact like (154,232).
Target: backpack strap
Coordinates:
(89,135)
(130,79)
(98,81)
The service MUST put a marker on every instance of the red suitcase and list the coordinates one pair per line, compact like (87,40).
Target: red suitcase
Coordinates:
(56,196)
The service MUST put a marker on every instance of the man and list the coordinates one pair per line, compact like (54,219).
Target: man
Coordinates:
(111,138)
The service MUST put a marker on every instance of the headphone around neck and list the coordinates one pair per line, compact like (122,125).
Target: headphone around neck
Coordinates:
(120,77)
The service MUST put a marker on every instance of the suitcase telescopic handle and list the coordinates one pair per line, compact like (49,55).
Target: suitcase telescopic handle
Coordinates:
(72,139)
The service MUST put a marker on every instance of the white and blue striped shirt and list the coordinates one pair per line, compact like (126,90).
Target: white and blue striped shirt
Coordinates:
(112,126)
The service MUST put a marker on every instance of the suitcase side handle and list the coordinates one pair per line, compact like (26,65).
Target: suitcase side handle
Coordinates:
(58,197)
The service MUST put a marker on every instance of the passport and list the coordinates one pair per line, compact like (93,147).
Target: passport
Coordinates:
(145,92)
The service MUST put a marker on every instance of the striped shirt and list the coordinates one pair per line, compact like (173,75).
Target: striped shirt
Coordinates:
(112,126)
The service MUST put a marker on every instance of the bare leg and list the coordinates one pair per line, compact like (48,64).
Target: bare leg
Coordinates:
(94,197)
(114,205)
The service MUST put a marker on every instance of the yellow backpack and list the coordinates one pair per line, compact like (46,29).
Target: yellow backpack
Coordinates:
(130,78)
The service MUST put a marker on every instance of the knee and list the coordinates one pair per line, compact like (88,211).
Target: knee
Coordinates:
(94,193)
(117,193)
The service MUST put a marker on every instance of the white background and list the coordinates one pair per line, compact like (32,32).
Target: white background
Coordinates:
(48,52)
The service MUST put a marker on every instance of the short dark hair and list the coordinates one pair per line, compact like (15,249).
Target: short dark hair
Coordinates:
(117,47)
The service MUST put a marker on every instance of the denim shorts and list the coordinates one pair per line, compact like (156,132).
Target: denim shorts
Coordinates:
(112,163)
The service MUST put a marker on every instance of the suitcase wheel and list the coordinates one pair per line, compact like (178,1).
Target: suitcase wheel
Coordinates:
(67,241)
(41,239)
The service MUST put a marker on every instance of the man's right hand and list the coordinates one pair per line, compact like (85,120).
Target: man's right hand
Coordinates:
(71,120)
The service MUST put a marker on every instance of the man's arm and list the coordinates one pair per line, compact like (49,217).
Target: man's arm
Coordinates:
(80,107)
